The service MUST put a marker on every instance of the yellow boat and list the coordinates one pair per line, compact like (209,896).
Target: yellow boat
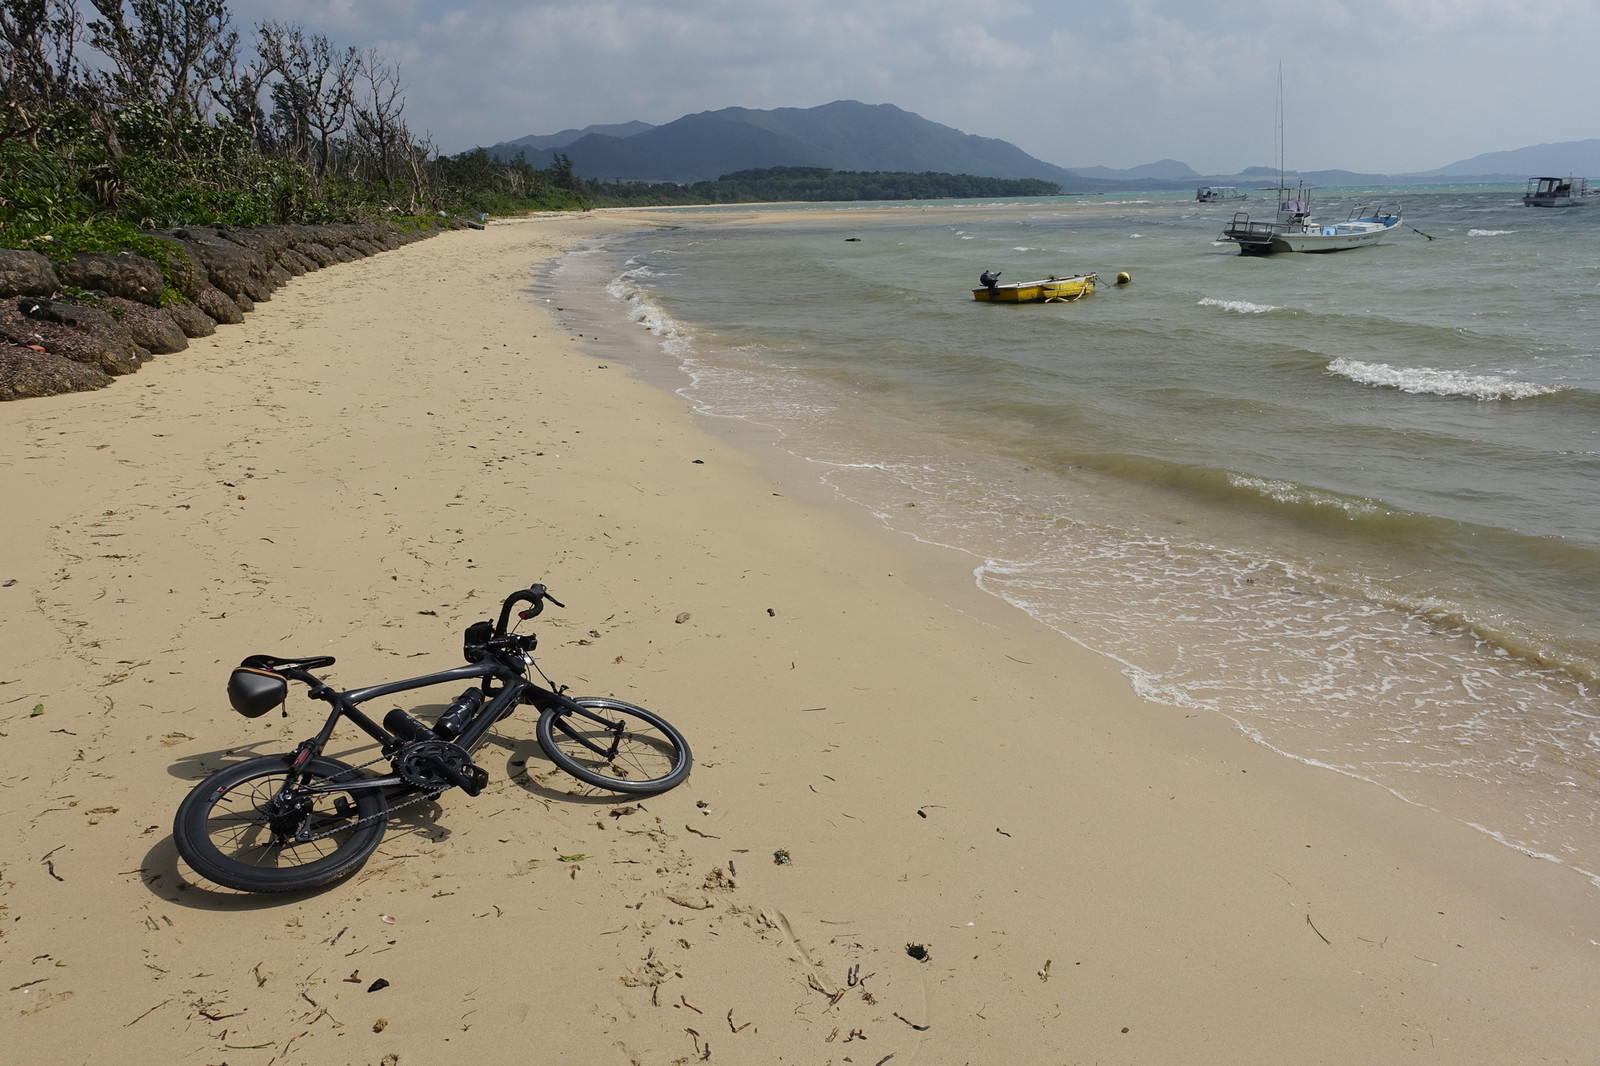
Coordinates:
(1049,290)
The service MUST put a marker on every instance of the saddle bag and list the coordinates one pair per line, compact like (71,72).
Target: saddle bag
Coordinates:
(253,692)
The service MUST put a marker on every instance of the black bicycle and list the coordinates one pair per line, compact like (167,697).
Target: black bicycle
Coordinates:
(283,822)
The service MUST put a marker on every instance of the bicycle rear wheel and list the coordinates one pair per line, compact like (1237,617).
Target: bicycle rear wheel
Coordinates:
(236,829)
(614,745)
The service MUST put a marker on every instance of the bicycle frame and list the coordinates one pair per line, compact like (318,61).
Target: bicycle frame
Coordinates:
(516,689)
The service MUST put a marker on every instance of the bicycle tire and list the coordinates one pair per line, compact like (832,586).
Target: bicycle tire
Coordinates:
(642,753)
(221,829)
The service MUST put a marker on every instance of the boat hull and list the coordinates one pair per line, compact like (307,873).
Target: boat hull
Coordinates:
(1531,200)
(1265,238)
(1049,290)
(1337,238)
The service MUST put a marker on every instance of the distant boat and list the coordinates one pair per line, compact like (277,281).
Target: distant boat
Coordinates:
(1292,228)
(1559,192)
(1212,194)
(1048,290)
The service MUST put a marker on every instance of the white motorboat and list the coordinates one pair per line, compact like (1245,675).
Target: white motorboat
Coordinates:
(1559,192)
(1293,230)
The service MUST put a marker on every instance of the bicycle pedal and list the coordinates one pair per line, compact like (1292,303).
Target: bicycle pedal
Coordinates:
(479,777)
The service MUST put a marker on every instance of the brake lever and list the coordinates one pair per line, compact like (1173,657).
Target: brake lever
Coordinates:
(537,594)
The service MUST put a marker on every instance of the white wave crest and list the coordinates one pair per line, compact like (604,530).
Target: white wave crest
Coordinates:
(1426,380)
(1243,307)
(642,308)
(1488,232)
(1289,492)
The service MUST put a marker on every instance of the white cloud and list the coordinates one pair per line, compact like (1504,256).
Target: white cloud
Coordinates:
(1379,85)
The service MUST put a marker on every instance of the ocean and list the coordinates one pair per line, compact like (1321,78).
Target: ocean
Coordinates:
(1349,502)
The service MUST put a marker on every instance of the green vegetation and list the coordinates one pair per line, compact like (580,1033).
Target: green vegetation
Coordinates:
(776,184)
(140,115)
(121,117)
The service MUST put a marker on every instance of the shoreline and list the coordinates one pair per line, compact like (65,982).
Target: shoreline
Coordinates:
(1231,641)
(1094,877)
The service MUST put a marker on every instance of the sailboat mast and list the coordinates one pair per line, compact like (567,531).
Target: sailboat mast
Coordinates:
(1280,124)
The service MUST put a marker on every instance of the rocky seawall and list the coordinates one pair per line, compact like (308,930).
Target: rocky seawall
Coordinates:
(115,319)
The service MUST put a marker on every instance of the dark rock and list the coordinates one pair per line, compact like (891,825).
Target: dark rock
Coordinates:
(319,253)
(83,334)
(244,303)
(219,306)
(26,274)
(384,237)
(268,242)
(25,373)
(191,320)
(114,352)
(183,271)
(231,267)
(66,314)
(132,277)
(151,329)
(257,288)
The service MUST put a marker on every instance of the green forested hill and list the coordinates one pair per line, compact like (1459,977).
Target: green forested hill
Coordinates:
(845,135)
(779,184)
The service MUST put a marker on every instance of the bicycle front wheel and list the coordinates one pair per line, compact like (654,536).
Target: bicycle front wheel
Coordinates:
(239,829)
(614,745)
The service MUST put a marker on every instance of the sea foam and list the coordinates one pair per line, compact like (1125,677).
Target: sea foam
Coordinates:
(1426,380)
(1290,493)
(1243,307)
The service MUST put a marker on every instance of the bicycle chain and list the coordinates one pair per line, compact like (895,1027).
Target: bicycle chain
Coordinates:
(388,809)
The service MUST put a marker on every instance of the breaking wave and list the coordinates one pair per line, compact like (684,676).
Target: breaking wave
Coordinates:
(1243,307)
(1425,380)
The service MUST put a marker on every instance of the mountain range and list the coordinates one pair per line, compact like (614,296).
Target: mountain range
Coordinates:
(849,135)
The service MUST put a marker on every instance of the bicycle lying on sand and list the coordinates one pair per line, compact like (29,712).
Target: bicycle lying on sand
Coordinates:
(277,823)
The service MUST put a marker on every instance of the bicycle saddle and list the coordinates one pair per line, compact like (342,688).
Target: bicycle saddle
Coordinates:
(276,662)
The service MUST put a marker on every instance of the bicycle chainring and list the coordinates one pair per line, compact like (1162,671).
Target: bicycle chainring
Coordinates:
(414,763)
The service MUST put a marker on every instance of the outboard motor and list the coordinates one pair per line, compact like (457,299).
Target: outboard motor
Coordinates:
(989,279)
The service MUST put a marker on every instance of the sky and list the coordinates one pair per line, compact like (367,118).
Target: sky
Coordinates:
(1372,86)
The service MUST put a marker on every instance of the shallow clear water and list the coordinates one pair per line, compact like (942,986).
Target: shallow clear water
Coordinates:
(1351,501)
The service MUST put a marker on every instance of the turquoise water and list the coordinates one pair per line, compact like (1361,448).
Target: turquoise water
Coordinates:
(1351,502)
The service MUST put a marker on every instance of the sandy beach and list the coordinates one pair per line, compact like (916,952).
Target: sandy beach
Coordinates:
(385,449)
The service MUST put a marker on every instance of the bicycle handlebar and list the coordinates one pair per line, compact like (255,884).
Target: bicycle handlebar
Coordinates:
(534,595)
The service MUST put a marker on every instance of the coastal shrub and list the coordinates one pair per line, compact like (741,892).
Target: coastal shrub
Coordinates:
(38,187)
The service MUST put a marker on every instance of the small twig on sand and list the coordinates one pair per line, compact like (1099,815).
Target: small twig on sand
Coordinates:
(147,1013)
